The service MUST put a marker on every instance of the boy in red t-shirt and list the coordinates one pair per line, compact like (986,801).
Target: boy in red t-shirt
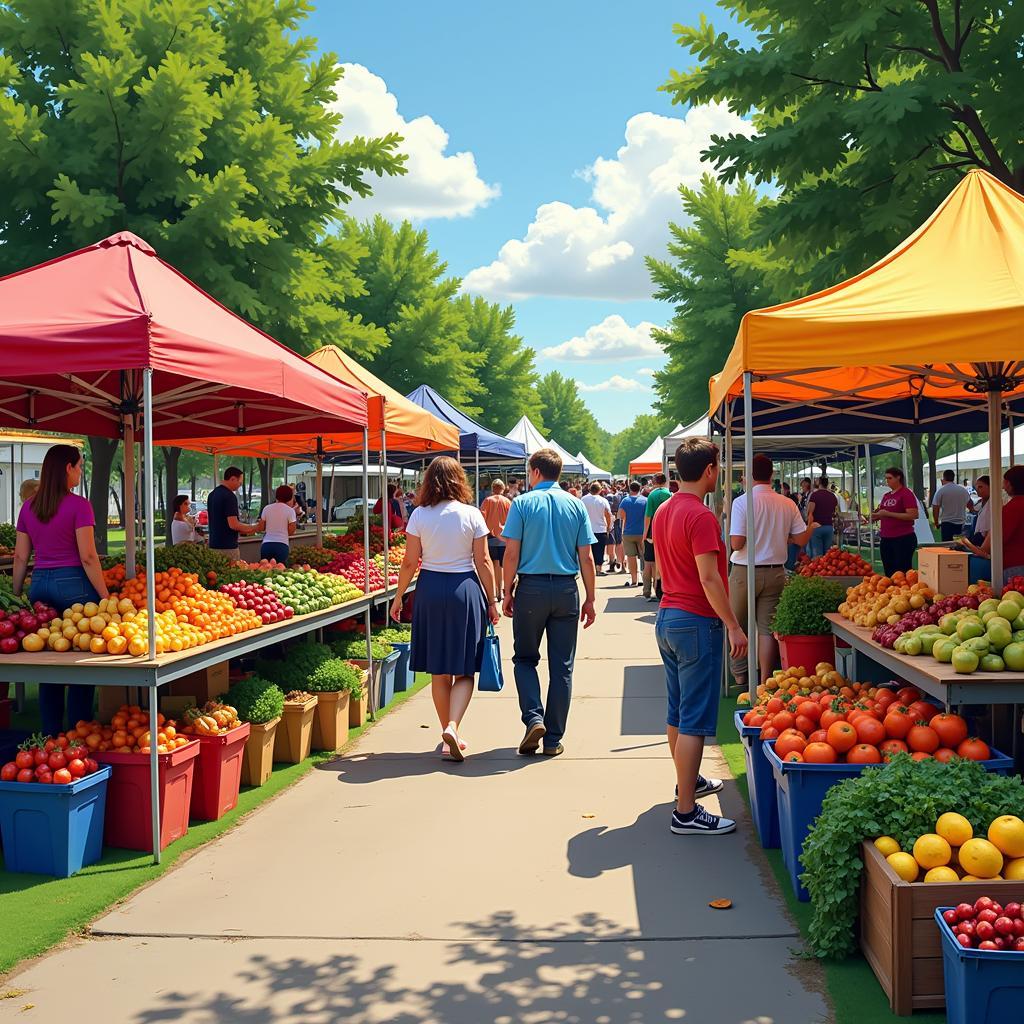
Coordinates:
(690,552)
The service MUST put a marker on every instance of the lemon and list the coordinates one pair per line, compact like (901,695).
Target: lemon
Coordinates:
(979,857)
(1013,870)
(886,845)
(941,874)
(1006,833)
(904,865)
(932,851)
(954,828)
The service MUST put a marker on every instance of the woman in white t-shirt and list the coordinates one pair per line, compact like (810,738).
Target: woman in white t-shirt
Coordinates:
(450,612)
(183,523)
(278,521)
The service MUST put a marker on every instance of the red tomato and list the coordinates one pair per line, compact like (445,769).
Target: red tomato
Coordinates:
(62,777)
(76,750)
(783,720)
(884,698)
(77,767)
(952,729)
(923,711)
(830,717)
(805,725)
(819,753)
(908,695)
(944,754)
(769,732)
(789,742)
(9,772)
(748,716)
(863,753)
(893,746)
(974,749)
(39,756)
(923,738)
(841,736)
(818,736)
(774,706)
(920,755)
(57,760)
(24,759)
(793,755)
(26,775)
(810,709)
(869,730)
(91,766)
(897,723)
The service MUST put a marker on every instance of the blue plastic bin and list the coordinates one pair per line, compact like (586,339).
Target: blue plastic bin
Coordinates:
(404,675)
(386,684)
(983,986)
(800,790)
(764,805)
(53,830)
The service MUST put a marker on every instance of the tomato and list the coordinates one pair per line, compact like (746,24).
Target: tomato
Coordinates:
(75,750)
(908,695)
(952,729)
(774,706)
(783,720)
(891,747)
(788,742)
(869,730)
(57,760)
(769,732)
(39,756)
(974,749)
(24,759)
(9,772)
(897,723)
(62,777)
(795,755)
(810,709)
(830,717)
(49,745)
(819,753)
(923,738)
(77,767)
(26,775)
(757,720)
(62,742)
(45,778)
(818,736)
(863,753)
(91,766)
(944,754)
(805,725)
(841,736)
(920,755)
(884,698)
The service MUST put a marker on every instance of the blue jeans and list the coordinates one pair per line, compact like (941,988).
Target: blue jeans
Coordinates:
(691,648)
(792,554)
(545,604)
(821,540)
(62,588)
(274,549)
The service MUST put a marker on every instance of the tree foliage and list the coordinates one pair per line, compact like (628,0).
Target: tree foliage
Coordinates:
(629,443)
(566,419)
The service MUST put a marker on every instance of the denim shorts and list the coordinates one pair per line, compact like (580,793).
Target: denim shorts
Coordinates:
(691,648)
(63,587)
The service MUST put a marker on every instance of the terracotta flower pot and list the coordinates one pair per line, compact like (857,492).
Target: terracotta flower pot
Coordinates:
(258,756)
(294,738)
(330,723)
(357,709)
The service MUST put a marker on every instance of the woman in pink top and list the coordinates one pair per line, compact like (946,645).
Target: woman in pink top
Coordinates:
(58,526)
(896,513)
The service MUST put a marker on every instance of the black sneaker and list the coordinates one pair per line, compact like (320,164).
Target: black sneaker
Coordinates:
(705,787)
(703,823)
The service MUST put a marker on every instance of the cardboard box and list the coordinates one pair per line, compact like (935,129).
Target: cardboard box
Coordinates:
(943,570)
(203,685)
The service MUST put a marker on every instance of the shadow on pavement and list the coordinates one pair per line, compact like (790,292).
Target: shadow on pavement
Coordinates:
(362,769)
(643,703)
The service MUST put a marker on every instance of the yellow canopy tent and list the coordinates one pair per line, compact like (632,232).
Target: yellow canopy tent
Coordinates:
(915,340)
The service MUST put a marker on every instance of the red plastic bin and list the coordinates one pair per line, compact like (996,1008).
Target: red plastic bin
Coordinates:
(128,823)
(806,650)
(218,774)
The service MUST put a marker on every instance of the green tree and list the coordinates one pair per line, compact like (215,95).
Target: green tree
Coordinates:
(629,443)
(716,274)
(507,373)
(865,115)
(408,296)
(566,419)
(206,127)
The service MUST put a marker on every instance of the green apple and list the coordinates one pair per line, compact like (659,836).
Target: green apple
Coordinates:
(1014,595)
(947,624)
(1009,609)
(979,644)
(966,629)
(1013,655)
(992,663)
(988,605)
(929,640)
(943,650)
(999,635)
(1018,623)
(964,661)
(912,645)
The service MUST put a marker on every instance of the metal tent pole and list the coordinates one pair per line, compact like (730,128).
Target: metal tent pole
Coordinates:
(956,455)
(150,472)
(995,461)
(330,494)
(385,505)
(856,476)
(319,491)
(748,476)
(128,460)
(14,517)
(870,462)
(366,562)
(476,498)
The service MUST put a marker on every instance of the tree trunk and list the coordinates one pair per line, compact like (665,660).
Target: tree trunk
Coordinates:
(101,454)
(171,457)
(160,511)
(916,463)
(264,465)
(932,447)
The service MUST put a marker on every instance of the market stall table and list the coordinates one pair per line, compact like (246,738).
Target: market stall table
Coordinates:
(930,676)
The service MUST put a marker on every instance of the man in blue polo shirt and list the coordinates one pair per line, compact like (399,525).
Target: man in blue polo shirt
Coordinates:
(548,537)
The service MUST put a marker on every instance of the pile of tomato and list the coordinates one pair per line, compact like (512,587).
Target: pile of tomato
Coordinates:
(834,563)
(869,729)
(49,761)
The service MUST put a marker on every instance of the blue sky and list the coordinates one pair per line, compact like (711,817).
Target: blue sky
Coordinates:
(516,119)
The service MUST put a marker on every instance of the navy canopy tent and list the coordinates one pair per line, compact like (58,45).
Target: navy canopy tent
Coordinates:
(473,438)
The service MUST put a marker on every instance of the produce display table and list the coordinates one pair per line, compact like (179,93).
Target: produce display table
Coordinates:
(249,547)
(930,676)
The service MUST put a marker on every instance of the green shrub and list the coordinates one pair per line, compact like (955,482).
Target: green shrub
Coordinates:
(394,635)
(8,534)
(256,700)
(804,602)
(354,648)
(293,670)
(336,675)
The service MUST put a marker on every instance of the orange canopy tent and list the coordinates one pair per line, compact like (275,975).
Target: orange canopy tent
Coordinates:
(916,340)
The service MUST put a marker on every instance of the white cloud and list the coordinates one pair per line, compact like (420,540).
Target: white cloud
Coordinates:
(646,371)
(614,383)
(613,338)
(437,184)
(585,253)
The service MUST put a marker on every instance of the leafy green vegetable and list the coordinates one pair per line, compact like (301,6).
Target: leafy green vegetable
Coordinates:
(394,635)
(256,700)
(298,662)
(904,800)
(336,675)
(354,648)
(804,602)
(8,534)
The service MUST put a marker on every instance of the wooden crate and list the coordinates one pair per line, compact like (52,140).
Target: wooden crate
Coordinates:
(898,935)
(202,685)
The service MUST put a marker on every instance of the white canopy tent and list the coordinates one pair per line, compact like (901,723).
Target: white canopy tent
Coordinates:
(978,456)
(591,471)
(652,460)
(570,464)
(527,435)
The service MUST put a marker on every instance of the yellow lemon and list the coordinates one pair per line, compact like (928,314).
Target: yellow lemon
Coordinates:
(904,865)
(932,851)
(941,874)
(1006,833)
(954,828)
(1013,870)
(979,857)
(886,845)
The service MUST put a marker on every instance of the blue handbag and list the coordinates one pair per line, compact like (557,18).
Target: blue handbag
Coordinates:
(491,680)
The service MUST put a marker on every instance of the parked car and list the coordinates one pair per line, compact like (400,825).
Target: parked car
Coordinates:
(200,512)
(351,508)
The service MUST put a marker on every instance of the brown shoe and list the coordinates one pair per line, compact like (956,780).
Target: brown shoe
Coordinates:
(553,751)
(531,741)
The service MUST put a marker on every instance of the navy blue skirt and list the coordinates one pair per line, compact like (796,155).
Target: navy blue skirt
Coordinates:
(448,624)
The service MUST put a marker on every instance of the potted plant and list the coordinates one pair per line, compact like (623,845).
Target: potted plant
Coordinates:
(294,737)
(385,661)
(297,663)
(332,681)
(358,697)
(400,638)
(259,702)
(800,626)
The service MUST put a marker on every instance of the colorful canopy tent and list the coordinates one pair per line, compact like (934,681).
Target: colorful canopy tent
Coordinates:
(976,457)
(474,439)
(652,460)
(526,434)
(111,337)
(590,471)
(570,464)
(916,340)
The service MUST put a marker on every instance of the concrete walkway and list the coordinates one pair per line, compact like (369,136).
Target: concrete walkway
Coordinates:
(393,886)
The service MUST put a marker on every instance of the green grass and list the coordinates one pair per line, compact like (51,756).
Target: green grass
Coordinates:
(853,990)
(38,911)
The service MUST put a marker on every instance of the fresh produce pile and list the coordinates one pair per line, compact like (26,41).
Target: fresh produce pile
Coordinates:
(8,536)
(863,725)
(129,733)
(799,682)
(881,599)
(987,924)
(189,557)
(904,800)
(393,635)
(296,663)
(49,761)
(352,567)
(1016,583)
(395,556)
(353,541)
(27,627)
(103,627)
(887,633)
(989,638)
(258,700)
(264,564)
(952,853)
(834,563)
(303,592)
(212,719)
(803,606)
(336,675)
(262,600)
(311,555)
